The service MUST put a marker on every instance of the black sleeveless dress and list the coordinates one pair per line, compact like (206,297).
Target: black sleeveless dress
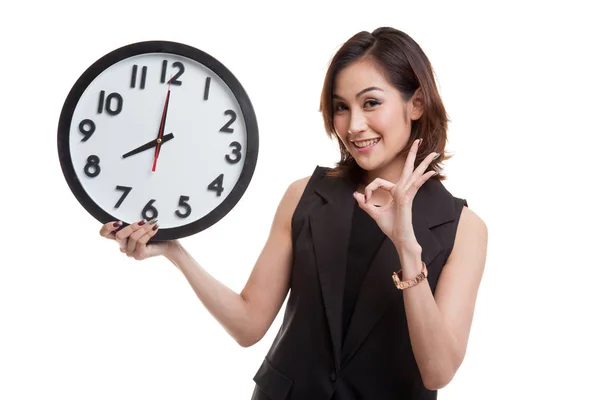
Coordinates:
(344,334)
(365,240)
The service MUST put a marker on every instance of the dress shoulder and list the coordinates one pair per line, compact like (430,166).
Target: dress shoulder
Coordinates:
(308,200)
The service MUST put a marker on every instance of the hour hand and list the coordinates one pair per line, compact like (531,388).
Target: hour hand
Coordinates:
(149,145)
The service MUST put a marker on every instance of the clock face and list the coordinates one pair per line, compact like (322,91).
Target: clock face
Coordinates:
(158,130)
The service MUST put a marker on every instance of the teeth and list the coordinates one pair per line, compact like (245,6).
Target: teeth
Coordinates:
(366,143)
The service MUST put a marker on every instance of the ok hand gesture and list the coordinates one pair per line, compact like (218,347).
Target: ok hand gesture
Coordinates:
(395,218)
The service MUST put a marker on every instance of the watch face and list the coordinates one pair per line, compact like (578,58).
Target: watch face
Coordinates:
(158,130)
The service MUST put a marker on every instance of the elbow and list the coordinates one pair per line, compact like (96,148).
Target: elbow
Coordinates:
(437,382)
(250,331)
(248,339)
(246,343)
(437,379)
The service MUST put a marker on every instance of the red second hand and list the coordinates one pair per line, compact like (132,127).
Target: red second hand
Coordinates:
(161,129)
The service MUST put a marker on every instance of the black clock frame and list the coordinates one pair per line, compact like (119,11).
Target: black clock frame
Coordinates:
(159,46)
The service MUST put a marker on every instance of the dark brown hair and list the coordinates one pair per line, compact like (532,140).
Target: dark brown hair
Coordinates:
(401,60)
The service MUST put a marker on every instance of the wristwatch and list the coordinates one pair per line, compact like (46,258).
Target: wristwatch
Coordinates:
(401,285)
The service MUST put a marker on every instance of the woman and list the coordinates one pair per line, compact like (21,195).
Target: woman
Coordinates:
(383,263)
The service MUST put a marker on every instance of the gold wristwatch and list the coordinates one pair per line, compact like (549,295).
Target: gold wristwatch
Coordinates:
(411,282)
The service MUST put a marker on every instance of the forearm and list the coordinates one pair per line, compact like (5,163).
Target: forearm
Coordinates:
(225,305)
(434,345)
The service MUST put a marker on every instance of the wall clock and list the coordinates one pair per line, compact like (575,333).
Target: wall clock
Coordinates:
(162,130)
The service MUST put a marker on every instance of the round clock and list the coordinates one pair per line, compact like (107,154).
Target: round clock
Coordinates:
(160,130)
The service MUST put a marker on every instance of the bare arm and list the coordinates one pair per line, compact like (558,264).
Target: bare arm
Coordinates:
(247,316)
(439,327)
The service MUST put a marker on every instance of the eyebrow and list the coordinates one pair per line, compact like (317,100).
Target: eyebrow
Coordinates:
(335,96)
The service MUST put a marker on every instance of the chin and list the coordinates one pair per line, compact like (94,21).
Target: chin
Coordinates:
(369,165)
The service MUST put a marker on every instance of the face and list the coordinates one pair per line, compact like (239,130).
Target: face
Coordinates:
(370,117)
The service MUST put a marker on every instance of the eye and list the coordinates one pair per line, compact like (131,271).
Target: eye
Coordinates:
(339,107)
(371,103)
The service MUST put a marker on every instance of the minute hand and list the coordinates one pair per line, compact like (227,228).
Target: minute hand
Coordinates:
(149,145)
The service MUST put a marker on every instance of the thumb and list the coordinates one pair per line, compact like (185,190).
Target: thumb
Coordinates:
(368,207)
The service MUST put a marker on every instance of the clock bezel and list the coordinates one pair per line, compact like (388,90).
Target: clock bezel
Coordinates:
(168,47)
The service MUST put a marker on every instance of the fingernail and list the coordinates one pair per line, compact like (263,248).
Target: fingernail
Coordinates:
(155,227)
(420,141)
(142,222)
(117,224)
(153,221)
(436,155)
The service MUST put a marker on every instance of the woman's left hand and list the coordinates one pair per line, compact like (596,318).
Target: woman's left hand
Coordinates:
(395,218)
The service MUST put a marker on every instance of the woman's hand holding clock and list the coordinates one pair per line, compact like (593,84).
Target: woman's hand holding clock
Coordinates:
(133,239)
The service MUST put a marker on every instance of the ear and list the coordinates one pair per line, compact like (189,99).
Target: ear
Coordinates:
(417,104)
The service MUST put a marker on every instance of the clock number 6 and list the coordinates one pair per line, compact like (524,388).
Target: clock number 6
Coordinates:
(149,212)
(236,152)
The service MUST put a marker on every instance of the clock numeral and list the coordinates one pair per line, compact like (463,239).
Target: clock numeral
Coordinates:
(125,190)
(92,168)
(206,87)
(134,77)
(149,212)
(217,185)
(183,203)
(236,152)
(226,127)
(87,129)
(111,108)
(173,80)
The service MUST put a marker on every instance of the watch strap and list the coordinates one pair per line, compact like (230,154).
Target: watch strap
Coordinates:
(401,285)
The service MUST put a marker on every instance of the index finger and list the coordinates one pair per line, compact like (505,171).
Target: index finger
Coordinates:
(409,164)
(376,184)
(108,230)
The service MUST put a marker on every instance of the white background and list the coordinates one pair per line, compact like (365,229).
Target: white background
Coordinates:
(79,320)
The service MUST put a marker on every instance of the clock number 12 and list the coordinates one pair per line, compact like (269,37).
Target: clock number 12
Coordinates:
(174,80)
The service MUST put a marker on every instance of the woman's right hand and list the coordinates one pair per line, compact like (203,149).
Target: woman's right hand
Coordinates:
(133,239)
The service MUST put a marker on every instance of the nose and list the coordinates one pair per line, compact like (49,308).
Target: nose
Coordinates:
(357,123)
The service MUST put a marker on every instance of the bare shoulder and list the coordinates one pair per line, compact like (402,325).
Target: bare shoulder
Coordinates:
(296,188)
(292,196)
(471,224)
(471,240)
(469,218)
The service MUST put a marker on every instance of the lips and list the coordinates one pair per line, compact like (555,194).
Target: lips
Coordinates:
(363,145)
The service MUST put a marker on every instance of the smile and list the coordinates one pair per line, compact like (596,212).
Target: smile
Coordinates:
(365,145)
